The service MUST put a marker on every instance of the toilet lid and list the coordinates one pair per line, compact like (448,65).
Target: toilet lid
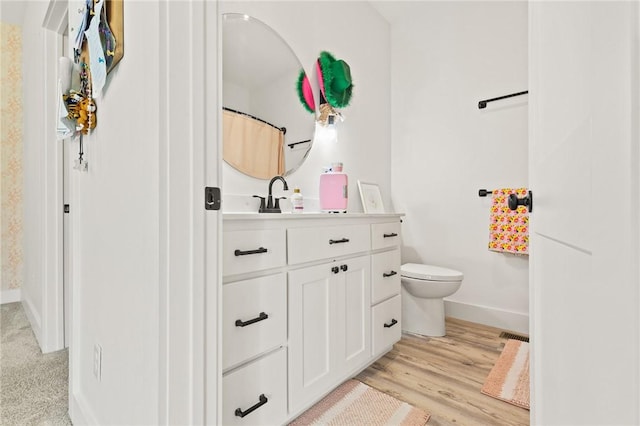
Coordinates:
(430,272)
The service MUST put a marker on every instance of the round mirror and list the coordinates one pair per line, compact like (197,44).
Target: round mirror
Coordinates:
(267,131)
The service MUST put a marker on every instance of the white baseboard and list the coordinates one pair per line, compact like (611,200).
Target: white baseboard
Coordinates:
(499,318)
(9,296)
(79,412)
(34,319)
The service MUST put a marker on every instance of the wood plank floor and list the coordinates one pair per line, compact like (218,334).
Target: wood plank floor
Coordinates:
(444,375)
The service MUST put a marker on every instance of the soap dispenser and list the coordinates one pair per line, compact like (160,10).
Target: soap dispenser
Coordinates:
(334,190)
(297,202)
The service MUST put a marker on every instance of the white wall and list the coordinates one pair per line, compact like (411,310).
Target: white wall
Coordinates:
(352,31)
(139,272)
(116,236)
(445,57)
(12,11)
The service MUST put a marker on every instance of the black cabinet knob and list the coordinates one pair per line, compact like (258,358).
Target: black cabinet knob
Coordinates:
(514,201)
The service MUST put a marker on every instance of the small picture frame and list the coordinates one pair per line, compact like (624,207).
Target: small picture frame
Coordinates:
(370,197)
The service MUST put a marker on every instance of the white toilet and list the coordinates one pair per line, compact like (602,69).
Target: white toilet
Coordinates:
(423,290)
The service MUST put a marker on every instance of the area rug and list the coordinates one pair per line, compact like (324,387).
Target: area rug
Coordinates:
(354,403)
(508,380)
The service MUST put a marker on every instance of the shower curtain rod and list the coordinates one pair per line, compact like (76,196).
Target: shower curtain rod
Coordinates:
(282,129)
(483,104)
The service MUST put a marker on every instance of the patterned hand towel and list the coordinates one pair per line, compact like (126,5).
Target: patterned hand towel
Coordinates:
(508,229)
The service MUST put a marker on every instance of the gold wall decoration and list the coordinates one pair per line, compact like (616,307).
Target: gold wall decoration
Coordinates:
(115,17)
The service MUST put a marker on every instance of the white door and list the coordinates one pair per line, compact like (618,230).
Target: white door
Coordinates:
(583,155)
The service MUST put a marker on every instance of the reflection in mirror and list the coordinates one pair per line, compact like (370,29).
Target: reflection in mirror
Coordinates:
(266,129)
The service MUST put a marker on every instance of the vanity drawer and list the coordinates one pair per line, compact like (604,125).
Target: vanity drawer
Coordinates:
(385,275)
(309,244)
(386,326)
(385,235)
(242,389)
(253,250)
(254,317)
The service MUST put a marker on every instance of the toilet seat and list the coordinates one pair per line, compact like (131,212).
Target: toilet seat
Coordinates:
(430,272)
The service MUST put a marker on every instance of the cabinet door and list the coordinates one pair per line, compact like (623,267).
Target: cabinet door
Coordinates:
(254,318)
(386,323)
(311,330)
(255,394)
(385,275)
(385,235)
(352,315)
(328,242)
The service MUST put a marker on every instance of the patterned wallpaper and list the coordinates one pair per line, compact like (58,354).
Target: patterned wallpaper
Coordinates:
(11,262)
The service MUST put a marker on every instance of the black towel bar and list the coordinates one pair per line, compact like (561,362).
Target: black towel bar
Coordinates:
(484,192)
(291,145)
(483,104)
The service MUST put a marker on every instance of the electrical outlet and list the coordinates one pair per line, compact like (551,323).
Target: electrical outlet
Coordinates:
(97,361)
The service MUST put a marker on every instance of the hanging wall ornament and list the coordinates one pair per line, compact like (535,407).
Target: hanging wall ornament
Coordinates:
(334,79)
(305,93)
(96,58)
(82,110)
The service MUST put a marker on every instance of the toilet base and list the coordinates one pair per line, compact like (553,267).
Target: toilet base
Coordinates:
(422,316)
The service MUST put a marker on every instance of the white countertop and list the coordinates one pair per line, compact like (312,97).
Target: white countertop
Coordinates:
(310,215)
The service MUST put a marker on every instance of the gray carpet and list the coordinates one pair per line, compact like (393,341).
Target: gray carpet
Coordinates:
(33,385)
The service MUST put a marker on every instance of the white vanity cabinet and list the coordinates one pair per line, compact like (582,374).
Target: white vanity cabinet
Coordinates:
(308,301)
(386,314)
(329,326)
(254,326)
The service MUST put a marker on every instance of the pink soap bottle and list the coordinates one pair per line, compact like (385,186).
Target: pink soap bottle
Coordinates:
(334,190)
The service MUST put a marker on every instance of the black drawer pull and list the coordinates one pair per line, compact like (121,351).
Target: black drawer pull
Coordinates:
(393,234)
(344,240)
(256,251)
(335,269)
(344,267)
(263,400)
(393,322)
(262,316)
(390,274)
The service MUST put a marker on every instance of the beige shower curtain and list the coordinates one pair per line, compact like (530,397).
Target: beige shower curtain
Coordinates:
(251,146)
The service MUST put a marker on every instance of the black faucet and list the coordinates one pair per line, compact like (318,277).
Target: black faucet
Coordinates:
(272,207)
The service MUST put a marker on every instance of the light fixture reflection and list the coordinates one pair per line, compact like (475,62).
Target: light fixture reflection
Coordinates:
(326,124)
(326,133)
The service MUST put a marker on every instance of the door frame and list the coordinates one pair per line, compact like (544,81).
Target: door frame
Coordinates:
(52,320)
